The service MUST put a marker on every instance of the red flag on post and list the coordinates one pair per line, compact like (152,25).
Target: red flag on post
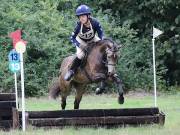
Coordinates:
(16,36)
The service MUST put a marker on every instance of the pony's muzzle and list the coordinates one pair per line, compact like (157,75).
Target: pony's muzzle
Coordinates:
(111,70)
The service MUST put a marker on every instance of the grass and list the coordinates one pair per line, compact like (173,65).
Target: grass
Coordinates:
(169,104)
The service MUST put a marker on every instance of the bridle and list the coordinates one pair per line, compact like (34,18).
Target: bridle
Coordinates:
(112,50)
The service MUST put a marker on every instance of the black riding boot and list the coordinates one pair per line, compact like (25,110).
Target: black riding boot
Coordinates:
(75,64)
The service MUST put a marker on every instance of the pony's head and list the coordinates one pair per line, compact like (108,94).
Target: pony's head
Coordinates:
(112,55)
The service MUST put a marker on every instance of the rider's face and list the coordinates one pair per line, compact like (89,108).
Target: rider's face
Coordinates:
(83,19)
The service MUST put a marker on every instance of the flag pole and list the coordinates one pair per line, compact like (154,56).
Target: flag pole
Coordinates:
(22,88)
(154,71)
(15,81)
(156,33)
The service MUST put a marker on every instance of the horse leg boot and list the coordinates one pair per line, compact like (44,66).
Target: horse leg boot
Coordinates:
(101,89)
(78,100)
(75,64)
(120,88)
(63,103)
(76,103)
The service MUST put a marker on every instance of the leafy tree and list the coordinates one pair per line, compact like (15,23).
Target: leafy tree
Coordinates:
(47,25)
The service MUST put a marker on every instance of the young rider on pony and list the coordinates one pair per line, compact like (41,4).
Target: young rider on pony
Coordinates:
(84,33)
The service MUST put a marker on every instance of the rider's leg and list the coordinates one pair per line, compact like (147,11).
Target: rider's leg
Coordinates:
(76,62)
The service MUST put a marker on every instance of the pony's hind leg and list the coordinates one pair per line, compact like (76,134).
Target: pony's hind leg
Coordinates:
(65,91)
(80,89)
(63,102)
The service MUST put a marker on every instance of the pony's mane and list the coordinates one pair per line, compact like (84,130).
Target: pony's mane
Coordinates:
(100,42)
(92,45)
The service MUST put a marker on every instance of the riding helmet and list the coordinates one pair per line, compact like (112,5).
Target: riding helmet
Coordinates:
(83,10)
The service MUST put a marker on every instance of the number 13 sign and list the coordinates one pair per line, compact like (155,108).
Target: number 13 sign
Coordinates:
(14,61)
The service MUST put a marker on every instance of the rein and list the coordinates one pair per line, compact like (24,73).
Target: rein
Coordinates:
(112,50)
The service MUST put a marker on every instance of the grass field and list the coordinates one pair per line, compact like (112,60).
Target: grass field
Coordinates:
(169,104)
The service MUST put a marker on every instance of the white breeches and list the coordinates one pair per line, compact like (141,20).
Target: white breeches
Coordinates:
(79,52)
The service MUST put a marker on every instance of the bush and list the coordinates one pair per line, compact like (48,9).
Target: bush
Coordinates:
(47,25)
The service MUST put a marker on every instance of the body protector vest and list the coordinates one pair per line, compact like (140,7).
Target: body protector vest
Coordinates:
(88,35)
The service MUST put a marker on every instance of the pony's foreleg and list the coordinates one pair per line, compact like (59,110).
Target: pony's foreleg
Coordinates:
(101,87)
(63,102)
(79,92)
(118,82)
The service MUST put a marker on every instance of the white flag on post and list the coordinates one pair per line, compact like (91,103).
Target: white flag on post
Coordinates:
(156,32)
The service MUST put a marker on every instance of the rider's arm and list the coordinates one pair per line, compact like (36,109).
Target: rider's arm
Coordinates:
(98,29)
(74,35)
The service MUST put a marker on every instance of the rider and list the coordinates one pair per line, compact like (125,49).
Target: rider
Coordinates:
(84,33)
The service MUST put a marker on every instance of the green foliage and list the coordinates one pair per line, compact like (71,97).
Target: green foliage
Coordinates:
(47,25)
(47,32)
(141,15)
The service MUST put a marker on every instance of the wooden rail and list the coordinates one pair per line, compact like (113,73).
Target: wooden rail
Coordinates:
(8,111)
(95,117)
(11,118)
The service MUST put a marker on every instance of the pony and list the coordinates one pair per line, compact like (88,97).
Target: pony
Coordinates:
(99,65)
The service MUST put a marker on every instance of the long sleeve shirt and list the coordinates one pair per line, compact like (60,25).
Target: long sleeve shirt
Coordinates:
(84,32)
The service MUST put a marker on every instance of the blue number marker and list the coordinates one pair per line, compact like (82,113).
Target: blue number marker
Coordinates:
(14,56)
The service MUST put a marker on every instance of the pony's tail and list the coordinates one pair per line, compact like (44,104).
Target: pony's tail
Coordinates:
(54,89)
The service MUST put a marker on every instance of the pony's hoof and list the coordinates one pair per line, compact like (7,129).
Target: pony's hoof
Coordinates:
(121,99)
(99,91)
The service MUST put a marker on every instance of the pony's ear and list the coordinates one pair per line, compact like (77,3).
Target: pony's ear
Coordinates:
(120,46)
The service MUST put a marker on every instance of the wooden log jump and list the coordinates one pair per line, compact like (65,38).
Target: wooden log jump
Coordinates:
(11,118)
(7,97)
(8,111)
(96,117)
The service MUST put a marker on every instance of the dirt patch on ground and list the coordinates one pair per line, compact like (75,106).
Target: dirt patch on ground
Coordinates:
(139,93)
